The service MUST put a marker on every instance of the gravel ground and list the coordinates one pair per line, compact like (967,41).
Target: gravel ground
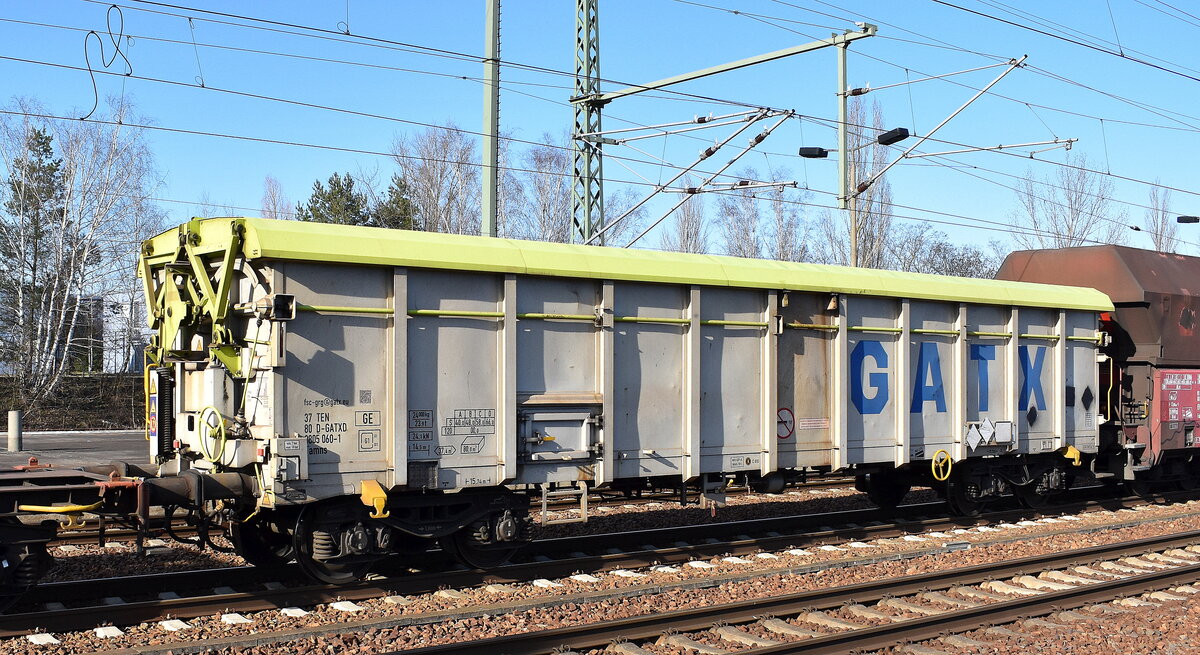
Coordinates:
(1173,628)
(755,580)
(119,558)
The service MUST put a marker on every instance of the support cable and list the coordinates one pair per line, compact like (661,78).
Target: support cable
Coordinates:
(757,139)
(703,155)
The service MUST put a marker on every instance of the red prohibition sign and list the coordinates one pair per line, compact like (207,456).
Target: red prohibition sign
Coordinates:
(787,423)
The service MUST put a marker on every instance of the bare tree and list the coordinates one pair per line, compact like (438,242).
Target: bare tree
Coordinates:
(440,168)
(785,234)
(1159,223)
(918,248)
(511,196)
(207,207)
(616,203)
(687,231)
(543,211)
(741,220)
(275,203)
(872,208)
(77,207)
(1072,208)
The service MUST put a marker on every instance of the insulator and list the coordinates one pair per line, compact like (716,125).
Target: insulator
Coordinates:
(859,91)
(758,138)
(708,152)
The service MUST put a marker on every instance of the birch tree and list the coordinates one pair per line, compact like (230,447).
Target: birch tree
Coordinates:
(785,233)
(544,210)
(740,219)
(872,209)
(275,203)
(441,169)
(687,231)
(1073,207)
(76,207)
(762,222)
(1160,224)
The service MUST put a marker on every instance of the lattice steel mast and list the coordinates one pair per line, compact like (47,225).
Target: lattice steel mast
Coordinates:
(587,197)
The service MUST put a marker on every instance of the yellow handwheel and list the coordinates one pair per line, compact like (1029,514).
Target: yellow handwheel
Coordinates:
(212,426)
(941,465)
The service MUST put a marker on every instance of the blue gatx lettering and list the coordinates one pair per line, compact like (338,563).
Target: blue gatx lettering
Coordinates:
(983,354)
(879,380)
(1031,377)
(928,385)
(929,379)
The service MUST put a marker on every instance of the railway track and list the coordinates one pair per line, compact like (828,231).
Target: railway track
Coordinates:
(912,608)
(83,604)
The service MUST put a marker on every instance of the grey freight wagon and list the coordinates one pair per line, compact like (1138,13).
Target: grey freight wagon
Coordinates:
(377,389)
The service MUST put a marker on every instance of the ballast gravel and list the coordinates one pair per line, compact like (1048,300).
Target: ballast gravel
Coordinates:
(1171,628)
(119,558)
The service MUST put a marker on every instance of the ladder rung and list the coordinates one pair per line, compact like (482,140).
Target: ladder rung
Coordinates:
(580,492)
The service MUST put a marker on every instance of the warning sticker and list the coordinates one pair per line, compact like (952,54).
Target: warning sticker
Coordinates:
(812,424)
(786,424)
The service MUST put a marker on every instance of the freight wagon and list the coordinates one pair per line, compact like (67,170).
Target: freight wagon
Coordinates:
(339,393)
(1151,379)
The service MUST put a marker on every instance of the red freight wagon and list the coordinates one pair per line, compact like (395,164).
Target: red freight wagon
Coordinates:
(1150,367)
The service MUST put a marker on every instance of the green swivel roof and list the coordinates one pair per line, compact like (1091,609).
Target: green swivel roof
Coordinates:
(343,244)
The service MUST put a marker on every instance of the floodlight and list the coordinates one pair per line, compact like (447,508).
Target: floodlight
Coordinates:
(893,136)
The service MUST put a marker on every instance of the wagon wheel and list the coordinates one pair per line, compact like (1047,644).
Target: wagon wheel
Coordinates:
(309,539)
(1142,487)
(31,562)
(465,545)
(263,543)
(959,501)
(1190,481)
(1028,496)
(885,491)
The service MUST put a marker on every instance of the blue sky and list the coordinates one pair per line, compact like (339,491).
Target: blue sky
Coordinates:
(640,42)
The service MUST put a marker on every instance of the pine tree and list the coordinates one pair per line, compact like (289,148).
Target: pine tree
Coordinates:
(338,203)
(397,210)
(342,203)
(35,205)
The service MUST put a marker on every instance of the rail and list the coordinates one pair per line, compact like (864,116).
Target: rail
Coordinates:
(546,558)
(598,635)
